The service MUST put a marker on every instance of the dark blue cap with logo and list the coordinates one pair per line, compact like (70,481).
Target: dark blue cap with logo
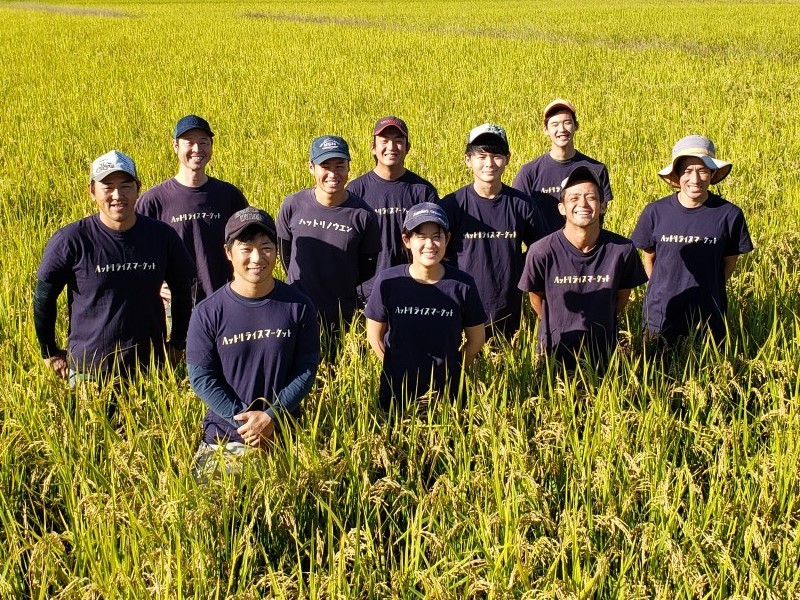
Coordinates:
(247,217)
(425,212)
(328,146)
(188,122)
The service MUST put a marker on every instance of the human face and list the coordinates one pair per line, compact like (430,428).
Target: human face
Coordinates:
(487,167)
(695,177)
(581,206)
(330,175)
(560,128)
(116,196)
(194,149)
(427,244)
(254,260)
(390,147)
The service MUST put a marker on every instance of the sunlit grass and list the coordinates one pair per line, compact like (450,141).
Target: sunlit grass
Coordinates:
(669,477)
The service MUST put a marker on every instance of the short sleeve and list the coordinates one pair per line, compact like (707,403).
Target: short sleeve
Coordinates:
(474,313)
(738,241)
(642,235)
(58,261)
(532,279)
(376,309)
(633,274)
(371,240)
(201,347)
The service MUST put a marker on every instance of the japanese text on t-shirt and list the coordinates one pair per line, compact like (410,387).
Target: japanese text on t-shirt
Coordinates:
(319,224)
(572,279)
(195,216)
(490,235)
(129,266)
(256,334)
(688,239)
(425,311)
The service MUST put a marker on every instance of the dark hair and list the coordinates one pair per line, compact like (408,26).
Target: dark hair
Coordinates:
(578,180)
(559,109)
(372,146)
(488,148)
(416,229)
(249,234)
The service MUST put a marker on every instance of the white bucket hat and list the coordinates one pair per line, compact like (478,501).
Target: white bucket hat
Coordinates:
(700,147)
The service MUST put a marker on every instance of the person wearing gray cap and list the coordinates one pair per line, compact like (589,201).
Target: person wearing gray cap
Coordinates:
(329,237)
(196,205)
(112,264)
(579,278)
(253,345)
(418,313)
(691,241)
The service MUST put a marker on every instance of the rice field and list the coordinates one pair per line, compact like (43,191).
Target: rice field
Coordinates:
(667,478)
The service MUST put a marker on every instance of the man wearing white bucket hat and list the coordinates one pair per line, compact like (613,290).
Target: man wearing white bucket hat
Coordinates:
(691,241)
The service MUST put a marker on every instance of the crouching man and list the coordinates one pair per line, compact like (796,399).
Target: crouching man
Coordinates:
(580,278)
(253,345)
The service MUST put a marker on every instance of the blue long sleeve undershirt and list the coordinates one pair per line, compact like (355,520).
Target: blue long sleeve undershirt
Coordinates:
(220,398)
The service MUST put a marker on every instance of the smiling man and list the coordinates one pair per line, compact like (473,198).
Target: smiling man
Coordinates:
(329,237)
(253,346)
(390,189)
(579,279)
(691,242)
(541,178)
(196,205)
(489,223)
(112,264)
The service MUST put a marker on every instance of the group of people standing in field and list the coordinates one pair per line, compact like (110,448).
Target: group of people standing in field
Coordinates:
(435,278)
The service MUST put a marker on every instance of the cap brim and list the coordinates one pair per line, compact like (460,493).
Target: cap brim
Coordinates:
(414,223)
(389,126)
(328,155)
(182,131)
(105,174)
(720,168)
(489,139)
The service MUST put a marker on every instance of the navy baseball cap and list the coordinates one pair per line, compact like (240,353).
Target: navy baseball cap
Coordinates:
(188,122)
(582,173)
(246,217)
(328,146)
(425,212)
(390,121)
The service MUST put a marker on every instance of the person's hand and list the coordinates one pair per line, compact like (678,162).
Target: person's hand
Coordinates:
(58,362)
(166,294)
(258,428)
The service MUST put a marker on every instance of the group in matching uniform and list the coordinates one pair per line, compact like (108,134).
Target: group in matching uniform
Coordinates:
(435,278)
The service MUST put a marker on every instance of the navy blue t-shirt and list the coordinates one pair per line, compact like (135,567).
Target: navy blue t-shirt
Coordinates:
(327,244)
(113,280)
(486,242)
(425,323)
(253,345)
(541,179)
(580,290)
(199,216)
(687,285)
(390,199)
